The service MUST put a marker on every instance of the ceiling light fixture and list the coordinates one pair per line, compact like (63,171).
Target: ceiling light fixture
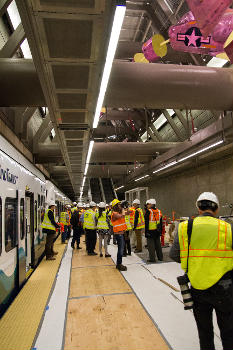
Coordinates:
(189,156)
(140,178)
(201,151)
(88,157)
(115,33)
(118,188)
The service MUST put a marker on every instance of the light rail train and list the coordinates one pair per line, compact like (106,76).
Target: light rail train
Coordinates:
(24,192)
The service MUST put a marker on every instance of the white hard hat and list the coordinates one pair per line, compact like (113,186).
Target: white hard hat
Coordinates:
(87,205)
(148,201)
(208,196)
(136,201)
(92,204)
(102,205)
(68,206)
(50,203)
(152,201)
(79,205)
(74,203)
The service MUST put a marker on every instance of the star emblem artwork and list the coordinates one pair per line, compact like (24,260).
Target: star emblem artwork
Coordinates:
(193,37)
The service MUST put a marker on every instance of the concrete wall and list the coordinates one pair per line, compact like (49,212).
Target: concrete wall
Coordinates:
(179,192)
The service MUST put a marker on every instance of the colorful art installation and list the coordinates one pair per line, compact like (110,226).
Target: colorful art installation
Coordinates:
(186,35)
(153,50)
(208,13)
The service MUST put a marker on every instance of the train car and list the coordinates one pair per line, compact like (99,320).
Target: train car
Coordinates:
(54,194)
(22,206)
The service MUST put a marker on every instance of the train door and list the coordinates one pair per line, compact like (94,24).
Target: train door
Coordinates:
(29,216)
(22,243)
(10,267)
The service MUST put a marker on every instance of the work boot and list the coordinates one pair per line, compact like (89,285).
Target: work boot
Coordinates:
(55,253)
(107,256)
(51,258)
(137,251)
(78,247)
(121,267)
(101,255)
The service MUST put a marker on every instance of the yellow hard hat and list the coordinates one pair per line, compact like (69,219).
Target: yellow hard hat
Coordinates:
(114,202)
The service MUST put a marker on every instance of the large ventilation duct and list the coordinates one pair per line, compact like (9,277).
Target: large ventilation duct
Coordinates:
(160,86)
(131,85)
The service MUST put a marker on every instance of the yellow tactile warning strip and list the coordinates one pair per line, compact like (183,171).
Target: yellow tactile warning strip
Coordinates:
(103,312)
(19,325)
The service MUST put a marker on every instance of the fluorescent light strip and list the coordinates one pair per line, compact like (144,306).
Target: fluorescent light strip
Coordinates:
(189,156)
(140,178)
(118,188)
(84,179)
(115,33)
(165,167)
(88,157)
(200,151)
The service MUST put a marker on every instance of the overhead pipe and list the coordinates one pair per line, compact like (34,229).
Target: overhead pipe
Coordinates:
(161,86)
(131,85)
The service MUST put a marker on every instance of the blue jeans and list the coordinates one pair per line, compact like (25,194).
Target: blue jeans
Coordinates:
(64,234)
(120,245)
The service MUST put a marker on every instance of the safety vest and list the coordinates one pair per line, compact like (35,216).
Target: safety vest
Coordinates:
(89,220)
(63,218)
(141,221)
(47,223)
(73,209)
(154,219)
(127,221)
(119,225)
(102,221)
(132,215)
(210,251)
(110,215)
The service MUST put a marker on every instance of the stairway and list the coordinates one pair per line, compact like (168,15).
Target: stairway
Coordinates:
(95,190)
(108,189)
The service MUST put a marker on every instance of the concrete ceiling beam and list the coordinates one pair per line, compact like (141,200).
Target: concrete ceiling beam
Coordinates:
(13,43)
(3,6)
(173,125)
(122,115)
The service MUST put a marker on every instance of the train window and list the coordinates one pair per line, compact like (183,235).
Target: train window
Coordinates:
(22,219)
(35,215)
(11,226)
(0,225)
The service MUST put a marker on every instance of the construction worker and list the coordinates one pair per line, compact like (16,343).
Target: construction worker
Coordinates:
(138,224)
(69,225)
(127,245)
(74,207)
(103,228)
(90,228)
(111,233)
(49,227)
(77,226)
(203,245)
(119,228)
(64,220)
(153,230)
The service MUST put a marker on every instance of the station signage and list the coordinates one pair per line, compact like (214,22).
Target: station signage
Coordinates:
(6,175)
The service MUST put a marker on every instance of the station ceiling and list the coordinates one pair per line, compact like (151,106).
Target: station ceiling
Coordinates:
(144,117)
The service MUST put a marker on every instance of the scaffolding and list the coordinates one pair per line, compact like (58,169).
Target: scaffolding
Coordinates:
(140,193)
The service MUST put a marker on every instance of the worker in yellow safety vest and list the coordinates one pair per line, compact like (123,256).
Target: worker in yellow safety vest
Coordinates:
(138,224)
(127,246)
(49,227)
(64,219)
(90,228)
(103,228)
(203,245)
(153,230)
(74,207)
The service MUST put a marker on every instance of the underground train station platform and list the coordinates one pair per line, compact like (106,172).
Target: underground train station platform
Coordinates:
(82,302)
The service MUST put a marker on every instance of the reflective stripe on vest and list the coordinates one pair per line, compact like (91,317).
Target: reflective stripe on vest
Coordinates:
(110,215)
(63,218)
(132,215)
(153,219)
(102,221)
(141,221)
(127,221)
(210,253)
(47,223)
(89,220)
(119,225)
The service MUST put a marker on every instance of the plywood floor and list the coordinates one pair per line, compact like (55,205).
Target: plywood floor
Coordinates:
(103,312)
